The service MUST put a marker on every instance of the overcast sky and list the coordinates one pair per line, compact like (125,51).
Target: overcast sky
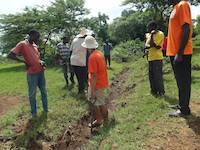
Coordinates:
(110,7)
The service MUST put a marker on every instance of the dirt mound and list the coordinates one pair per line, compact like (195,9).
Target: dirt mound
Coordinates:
(7,103)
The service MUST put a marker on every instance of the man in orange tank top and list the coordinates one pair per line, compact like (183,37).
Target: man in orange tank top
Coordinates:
(179,48)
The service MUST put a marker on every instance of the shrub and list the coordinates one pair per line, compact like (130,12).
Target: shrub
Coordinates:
(128,50)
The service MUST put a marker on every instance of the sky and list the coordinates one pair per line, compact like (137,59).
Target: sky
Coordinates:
(112,8)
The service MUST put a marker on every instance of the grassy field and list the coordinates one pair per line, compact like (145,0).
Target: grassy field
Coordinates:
(137,119)
(64,106)
(144,117)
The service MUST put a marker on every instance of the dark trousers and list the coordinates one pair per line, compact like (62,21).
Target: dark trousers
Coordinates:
(156,77)
(107,59)
(182,72)
(81,75)
(65,72)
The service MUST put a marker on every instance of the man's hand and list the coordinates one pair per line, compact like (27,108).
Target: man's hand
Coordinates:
(153,32)
(178,58)
(42,63)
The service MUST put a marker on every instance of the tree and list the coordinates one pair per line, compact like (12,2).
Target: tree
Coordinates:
(61,17)
(129,27)
(198,25)
(99,25)
(160,8)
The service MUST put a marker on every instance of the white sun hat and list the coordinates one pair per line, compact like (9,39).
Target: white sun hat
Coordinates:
(90,42)
(83,32)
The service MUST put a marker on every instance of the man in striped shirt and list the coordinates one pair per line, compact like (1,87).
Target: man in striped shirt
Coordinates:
(63,56)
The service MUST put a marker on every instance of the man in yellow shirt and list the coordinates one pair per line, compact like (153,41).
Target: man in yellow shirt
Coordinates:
(154,42)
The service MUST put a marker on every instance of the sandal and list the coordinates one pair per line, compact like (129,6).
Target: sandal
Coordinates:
(95,124)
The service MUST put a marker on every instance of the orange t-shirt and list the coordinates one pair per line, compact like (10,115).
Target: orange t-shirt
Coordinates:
(97,64)
(180,15)
(31,56)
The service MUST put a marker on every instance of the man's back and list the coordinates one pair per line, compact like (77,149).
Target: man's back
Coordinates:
(107,48)
(78,57)
(154,53)
(63,50)
(96,64)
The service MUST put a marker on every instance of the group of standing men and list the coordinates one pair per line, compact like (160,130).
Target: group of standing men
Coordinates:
(93,66)
(178,48)
(82,59)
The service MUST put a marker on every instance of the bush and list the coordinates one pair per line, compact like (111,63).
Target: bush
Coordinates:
(128,50)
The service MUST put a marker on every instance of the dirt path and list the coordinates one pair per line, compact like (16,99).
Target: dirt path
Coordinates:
(177,134)
(7,103)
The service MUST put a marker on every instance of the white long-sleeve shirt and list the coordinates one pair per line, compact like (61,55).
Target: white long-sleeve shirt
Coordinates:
(78,57)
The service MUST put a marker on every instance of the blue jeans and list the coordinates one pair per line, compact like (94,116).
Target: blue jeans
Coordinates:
(35,80)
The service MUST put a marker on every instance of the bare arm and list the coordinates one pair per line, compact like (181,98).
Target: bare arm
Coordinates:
(184,41)
(152,43)
(185,38)
(13,56)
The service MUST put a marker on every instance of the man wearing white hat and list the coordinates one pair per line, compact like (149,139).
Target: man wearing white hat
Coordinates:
(98,81)
(78,59)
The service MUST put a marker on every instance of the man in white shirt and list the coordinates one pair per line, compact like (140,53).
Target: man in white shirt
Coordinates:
(78,60)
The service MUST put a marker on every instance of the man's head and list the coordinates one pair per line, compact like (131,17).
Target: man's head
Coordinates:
(107,41)
(65,39)
(83,32)
(34,36)
(152,26)
(90,43)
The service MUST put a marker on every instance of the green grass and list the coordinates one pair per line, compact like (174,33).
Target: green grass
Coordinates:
(129,126)
(132,126)
(64,106)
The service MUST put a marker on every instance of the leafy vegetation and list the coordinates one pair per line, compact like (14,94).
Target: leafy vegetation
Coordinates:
(128,50)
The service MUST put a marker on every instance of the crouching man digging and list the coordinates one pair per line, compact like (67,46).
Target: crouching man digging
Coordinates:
(98,81)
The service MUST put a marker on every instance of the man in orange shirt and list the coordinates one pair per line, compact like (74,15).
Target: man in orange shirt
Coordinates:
(98,80)
(35,69)
(179,48)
